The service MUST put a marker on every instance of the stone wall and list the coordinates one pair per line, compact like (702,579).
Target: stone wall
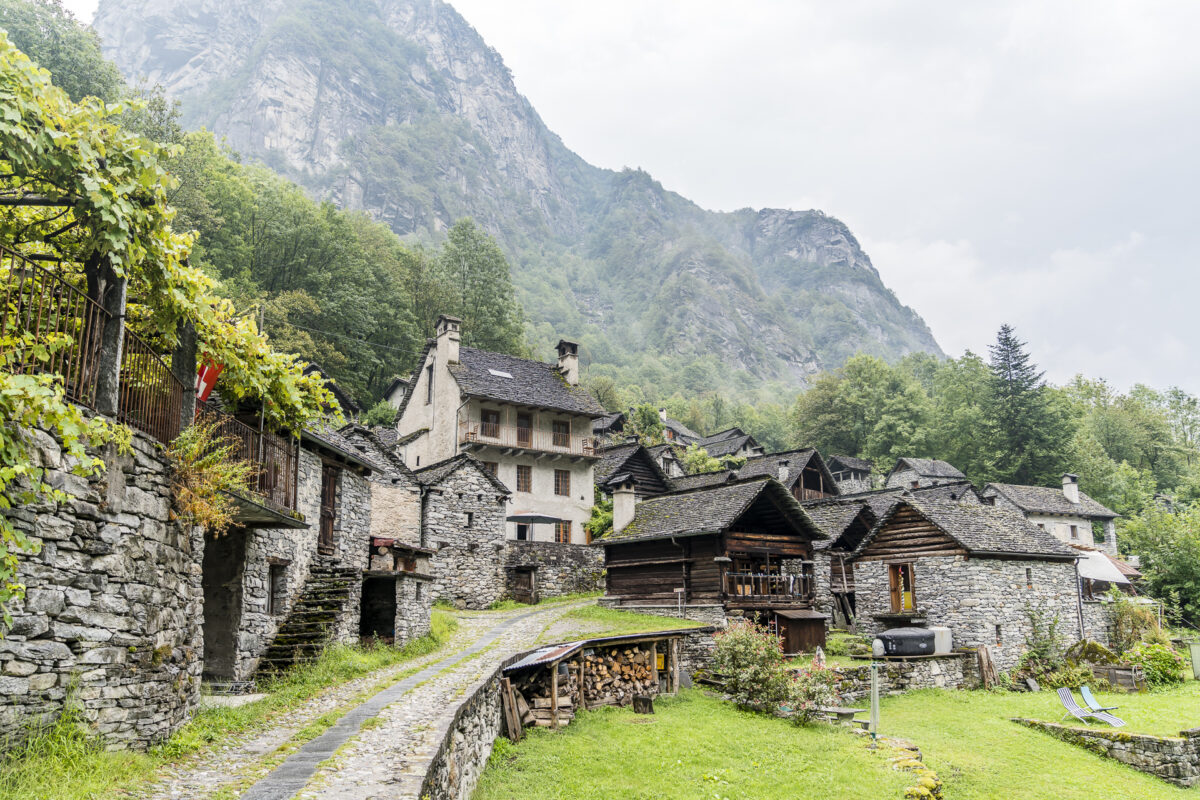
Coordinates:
(1173,760)
(561,568)
(955,671)
(468,567)
(1098,621)
(414,601)
(113,606)
(973,597)
(697,647)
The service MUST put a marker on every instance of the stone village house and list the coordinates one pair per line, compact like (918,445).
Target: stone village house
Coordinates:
(530,424)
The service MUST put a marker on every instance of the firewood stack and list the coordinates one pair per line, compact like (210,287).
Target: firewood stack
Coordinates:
(612,676)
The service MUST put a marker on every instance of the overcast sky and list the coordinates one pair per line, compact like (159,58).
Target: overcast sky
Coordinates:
(1024,162)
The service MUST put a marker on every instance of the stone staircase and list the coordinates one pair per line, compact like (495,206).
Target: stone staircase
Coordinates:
(305,631)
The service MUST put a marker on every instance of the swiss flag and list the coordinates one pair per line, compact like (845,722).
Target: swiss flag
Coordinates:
(207,379)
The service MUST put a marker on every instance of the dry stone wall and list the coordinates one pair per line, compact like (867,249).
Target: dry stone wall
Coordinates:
(983,601)
(114,605)
(956,671)
(1173,760)
(561,568)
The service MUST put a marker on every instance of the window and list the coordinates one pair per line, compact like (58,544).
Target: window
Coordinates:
(562,433)
(524,430)
(329,483)
(999,637)
(1042,525)
(916,484)
(470,519)
(419,592)
(1028,578)
(900,582)
(524,478)
(429,384)
(562,482)
(562,532)
(522,532)
(276,588)
(492,466)
(1074,531)
(489,423)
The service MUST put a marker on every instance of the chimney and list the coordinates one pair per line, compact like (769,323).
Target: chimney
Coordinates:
(662,415)
(568,361)
(1071,487)
(449,334)
(624,505)
(784,471)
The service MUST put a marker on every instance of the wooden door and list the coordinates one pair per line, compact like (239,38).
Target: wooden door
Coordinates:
(523,589)
(900,586)
(329,481)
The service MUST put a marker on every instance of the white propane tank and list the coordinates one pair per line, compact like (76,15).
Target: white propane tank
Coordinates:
(942,643)
(877,648)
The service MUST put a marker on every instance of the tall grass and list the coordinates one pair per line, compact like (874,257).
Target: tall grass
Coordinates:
(62,762)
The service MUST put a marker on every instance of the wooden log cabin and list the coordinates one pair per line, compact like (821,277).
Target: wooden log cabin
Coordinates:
(745,547)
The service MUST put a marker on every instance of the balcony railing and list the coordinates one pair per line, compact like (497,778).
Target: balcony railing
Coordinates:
(764,587)
(495,434)
(51,312)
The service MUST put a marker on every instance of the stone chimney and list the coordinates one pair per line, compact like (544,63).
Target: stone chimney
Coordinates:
(449,335)
(1071,487)
(624,506)
(662,415)
(784,472)
(568,361)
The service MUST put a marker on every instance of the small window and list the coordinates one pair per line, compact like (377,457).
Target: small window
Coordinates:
(524,478)
(916,484)
(1028,578)
(562,482)
(499,373)
(562,532)
(999,637)
(429,384)
(1074,531)
(900,581)
(420,587)
(492,466)
(1042,525)
(522,532)
(470,519)
(276,588)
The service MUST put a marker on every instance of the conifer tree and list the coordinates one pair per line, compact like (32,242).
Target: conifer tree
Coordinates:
(477,273)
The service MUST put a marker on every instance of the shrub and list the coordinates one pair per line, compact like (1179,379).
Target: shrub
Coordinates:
(1044,645)
(810,689)
(1161,665)
(1068,675)
(750,661)
(205,472)
(1133,623)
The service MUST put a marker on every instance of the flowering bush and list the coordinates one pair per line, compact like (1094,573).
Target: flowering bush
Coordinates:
(1161,665)
(750,662)
(810,689)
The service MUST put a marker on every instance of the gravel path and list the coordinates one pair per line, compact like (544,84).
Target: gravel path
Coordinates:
(216,769)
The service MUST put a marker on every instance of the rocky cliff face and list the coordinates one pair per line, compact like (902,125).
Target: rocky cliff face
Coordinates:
(400,108)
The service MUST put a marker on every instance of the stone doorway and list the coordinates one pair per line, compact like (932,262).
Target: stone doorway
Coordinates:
(377,617)
(223,569)
(524,585)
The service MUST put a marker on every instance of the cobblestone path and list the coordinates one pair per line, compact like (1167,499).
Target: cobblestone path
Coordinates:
(490,634)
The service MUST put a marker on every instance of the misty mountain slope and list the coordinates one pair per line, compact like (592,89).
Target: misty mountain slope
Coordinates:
(399,107)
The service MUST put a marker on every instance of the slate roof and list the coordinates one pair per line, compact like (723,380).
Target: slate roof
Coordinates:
(849,463)
(1048,500)
(375,449)
(608,424)
(332,440)
(436,473)
(533,383)
(981,530)
(728,433)
(708,510)
(681,431)
(880,500)
(833,518)
(686,482)
(727,447)
(614,461)
(929,468)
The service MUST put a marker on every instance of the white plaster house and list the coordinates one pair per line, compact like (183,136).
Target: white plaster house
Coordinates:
(528,422)
(1067,514)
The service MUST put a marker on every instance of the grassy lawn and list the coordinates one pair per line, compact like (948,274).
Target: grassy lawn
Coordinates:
(968,739)
(694,746)
(591,622)
(60,763)
(513,605)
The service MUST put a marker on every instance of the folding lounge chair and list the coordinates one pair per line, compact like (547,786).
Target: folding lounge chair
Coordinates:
(1093,705)
(1073,709)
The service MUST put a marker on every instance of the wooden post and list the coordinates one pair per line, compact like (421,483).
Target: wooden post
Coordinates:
(580,702)
(183,367)
(654,664)
(554,696)
(111,294)
(675,648)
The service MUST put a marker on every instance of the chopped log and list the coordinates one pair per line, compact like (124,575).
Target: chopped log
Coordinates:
(987,668)
(544,702)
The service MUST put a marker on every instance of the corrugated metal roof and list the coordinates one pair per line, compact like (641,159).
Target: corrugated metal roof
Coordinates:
(545,655)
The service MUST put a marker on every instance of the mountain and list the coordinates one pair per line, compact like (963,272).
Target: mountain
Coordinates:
(399,107)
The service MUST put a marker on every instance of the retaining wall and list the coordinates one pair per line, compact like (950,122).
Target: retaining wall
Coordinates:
(1176,760)
(955,671)
(560,568)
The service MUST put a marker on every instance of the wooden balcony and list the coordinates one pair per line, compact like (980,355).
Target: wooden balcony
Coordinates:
(763,589)
(513,439)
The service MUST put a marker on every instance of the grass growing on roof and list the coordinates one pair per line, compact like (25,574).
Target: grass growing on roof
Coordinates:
(968,739)
(693,746)
(61,762)
(591,622)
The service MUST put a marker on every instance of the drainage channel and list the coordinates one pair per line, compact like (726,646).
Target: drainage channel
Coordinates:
(293,774)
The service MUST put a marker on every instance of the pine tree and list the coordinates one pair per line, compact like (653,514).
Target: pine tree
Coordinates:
(478,276)
(1028,427)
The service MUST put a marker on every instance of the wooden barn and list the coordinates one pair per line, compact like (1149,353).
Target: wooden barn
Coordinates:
(745,546)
